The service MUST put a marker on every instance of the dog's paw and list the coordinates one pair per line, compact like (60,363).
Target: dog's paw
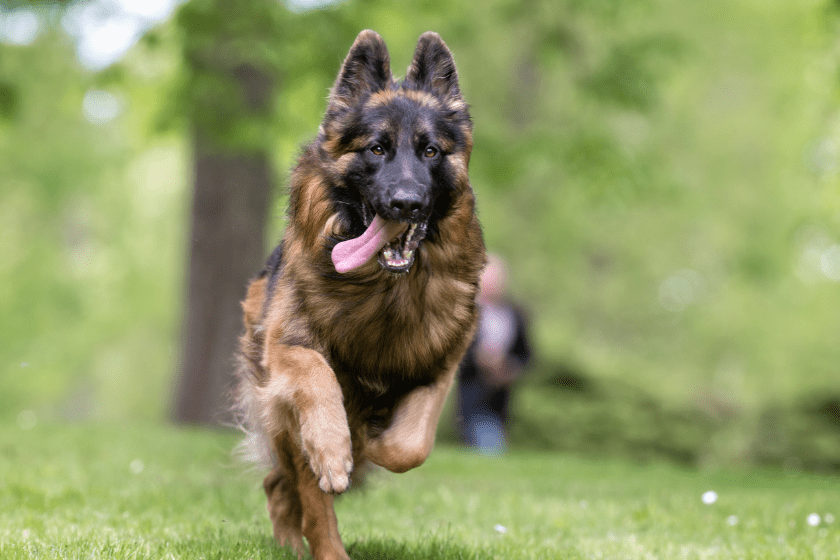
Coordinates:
(335,481)
(331,459)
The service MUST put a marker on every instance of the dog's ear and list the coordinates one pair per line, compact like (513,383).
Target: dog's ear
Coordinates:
(433,68)
(367,69)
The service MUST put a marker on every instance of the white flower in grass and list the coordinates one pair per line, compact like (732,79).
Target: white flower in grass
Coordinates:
(709,497)
(501,529)
(814,519)
(732,520)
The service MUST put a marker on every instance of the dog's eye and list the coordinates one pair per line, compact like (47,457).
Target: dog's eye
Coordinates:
(377,150)
(431,152)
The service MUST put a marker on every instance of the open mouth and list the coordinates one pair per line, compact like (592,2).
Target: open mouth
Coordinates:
(393,242)
(398,254)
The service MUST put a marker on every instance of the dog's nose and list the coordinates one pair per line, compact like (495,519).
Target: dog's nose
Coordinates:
(407,204)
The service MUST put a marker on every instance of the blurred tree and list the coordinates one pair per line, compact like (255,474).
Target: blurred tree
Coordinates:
(231,71)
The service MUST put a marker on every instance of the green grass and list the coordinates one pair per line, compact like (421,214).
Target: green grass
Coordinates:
(157,492)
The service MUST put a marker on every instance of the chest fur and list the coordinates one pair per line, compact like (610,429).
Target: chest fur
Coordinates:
(405,329)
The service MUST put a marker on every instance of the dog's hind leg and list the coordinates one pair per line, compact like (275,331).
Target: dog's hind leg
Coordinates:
(409,438)
(298,507)
(284,508)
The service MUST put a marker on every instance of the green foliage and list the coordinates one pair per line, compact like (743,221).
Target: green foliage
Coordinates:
(598,419)
(8,100)
(630,74)
(620,420)
(226,44)
(120,492)
(12,4)
(662,178)
(88,212)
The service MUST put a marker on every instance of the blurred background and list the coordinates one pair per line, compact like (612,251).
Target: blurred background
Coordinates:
(661,178)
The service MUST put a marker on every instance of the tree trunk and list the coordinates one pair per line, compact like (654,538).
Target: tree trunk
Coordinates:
(231,198)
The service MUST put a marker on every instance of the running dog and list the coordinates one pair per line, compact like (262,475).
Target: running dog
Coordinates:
(355,328)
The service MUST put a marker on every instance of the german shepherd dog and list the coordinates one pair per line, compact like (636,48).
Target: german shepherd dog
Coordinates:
(354,329)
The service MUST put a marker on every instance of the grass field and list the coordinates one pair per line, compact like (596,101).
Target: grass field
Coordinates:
(121,491)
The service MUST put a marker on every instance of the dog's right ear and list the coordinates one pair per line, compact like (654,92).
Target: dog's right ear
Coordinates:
(366,70)
(433,68)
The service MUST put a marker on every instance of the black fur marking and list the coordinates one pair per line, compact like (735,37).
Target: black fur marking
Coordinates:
(272,270)
(357,129)
(433,69)
(366,69)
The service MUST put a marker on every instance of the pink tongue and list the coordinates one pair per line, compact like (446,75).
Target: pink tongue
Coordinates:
(353,253)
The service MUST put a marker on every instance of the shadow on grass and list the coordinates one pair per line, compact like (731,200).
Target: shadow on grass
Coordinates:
(365,549)
(433,549)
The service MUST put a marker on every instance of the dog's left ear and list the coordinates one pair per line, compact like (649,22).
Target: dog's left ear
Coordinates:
(433,68)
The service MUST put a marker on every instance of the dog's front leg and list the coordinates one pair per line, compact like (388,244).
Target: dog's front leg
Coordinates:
(303,405)
(409,438)
(305,399)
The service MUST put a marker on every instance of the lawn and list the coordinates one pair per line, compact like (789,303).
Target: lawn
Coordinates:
(123,491)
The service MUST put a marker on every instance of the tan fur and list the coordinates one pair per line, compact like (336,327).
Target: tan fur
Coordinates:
(337,369)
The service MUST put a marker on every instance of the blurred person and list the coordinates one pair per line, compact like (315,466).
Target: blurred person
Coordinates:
(495,360)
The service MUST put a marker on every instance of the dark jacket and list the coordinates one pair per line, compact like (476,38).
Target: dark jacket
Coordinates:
(475,395)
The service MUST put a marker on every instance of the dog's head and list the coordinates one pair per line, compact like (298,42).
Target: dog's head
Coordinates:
(398,150)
